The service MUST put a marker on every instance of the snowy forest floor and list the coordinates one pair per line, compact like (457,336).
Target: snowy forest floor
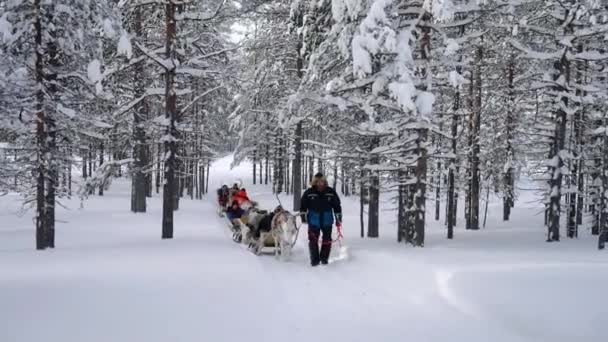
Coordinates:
(111,278)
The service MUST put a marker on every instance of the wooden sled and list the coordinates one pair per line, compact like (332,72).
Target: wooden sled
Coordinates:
(265,245)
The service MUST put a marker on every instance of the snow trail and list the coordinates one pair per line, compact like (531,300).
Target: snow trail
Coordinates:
(112,278)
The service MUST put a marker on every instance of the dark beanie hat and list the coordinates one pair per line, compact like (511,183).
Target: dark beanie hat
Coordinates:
(319,175)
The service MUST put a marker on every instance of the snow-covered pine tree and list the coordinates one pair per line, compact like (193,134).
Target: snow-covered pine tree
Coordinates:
(48,61)
(557,30)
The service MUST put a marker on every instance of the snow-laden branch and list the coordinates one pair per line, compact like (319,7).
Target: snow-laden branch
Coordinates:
(199,97)
(534,54)
(149,92)
(111,71)
(215,53)
(137,3)
(165,64)
(200,16)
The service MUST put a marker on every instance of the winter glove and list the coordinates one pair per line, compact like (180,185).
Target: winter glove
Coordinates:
(303,217)
(339,227)
(339,219)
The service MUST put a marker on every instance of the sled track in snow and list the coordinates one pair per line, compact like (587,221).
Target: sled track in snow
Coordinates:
(525,330)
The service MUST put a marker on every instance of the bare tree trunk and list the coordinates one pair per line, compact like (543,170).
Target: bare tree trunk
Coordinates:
(603,216)
(420,189)
(509,181)
(197,179)
(70,151)
(255,166)
(555,183)
(261,169)
(577,178)
(101,161)
(84,165)
(52,151)
(342,179)
(41,135)
(401,208)
(171,116)
(374,196)
(91,165)
(438,191)
(362,199)
(191,178)
(159,165)
(475,125)
(311,168)
(297,167)
(138,181)
(207,177)
(485,214)
(267,165)
(451,198)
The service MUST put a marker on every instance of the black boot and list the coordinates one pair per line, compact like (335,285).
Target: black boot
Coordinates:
(313,247)
(325,250)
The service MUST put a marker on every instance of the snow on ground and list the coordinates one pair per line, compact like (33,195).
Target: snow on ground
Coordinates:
(111,278)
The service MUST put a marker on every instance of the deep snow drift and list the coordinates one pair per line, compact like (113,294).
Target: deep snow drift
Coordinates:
(112,278)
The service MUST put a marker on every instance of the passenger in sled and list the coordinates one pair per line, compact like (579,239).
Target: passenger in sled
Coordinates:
(233,190)
(235,214)
(222,196)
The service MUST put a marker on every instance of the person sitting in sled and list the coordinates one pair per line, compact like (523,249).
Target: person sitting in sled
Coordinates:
(233,190)
(318,207)
(235,213)
(241,196)
(222,196)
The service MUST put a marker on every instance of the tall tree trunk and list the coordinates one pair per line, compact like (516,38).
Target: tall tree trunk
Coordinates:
(374,196)
(159,165)
(281,168)
(267,164)
(297,167)
(207,177)
(363,193)
(402,207)
(419,192)
(470,141)
(41,135)
(603,216)
(69,170)
(84,164)
(555,183)
(451,198)
(138,181)
(101,161)
(509,180)
(475,126)
(595,191)
(52,162)
(169,192)
(91,165)
(261,180)
(197,179)
(342,179)
(577,177)
(255,165)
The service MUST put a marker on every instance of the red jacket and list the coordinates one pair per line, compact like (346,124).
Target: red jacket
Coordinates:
(241,197)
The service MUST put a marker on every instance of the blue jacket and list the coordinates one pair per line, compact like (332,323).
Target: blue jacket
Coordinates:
(234,213)
(321,206)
